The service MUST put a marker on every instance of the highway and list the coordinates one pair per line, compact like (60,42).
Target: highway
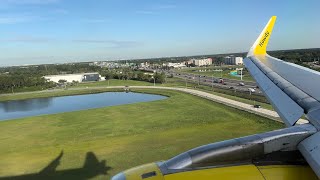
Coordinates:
(228,83)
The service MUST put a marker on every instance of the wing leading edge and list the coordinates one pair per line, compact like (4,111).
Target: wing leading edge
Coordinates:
(292,90)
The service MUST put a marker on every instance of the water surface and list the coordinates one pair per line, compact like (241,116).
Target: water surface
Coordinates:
(39,106)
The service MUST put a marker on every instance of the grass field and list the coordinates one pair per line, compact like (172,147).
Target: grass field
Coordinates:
(124,136)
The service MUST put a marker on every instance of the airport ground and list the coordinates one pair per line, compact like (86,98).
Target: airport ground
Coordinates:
(125,136)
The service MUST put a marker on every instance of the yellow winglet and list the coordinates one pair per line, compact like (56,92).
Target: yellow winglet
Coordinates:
(260,46)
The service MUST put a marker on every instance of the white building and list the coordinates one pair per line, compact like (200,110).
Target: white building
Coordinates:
(174,65)
(82,77)
(232,60)
(202,62)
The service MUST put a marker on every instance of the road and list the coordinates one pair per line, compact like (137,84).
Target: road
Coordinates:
(228,83)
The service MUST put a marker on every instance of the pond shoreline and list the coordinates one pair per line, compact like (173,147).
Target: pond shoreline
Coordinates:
(16,109)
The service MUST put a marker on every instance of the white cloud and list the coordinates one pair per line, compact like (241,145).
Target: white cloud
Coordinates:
(27,39)
(30,2)
(156,9)
(110,43)
(14,20)
(144,12)
(97,20)
(60,11)
(19,18)
(165,6)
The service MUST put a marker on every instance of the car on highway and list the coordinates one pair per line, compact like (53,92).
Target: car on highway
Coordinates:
(241,84)
(251,90)
(257,106)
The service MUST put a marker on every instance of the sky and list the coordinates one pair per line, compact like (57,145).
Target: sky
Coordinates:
(58,31)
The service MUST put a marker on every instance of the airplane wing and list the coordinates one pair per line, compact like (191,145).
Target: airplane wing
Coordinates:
(292,90)
(52,166)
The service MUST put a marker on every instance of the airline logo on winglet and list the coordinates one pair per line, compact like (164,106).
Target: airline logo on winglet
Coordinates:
(260,45)
(266,34)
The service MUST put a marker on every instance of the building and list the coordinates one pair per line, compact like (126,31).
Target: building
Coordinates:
(232,60)
(174,65)
(82,77)
(200,62)
(144,65)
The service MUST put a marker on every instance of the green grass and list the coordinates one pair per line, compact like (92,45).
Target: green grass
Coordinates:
(125,136)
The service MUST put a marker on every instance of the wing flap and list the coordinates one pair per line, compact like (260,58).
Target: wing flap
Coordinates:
(289,111)
(310,149)
(303,78)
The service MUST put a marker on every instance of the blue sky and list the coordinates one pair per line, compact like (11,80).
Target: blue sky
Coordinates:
(49,31)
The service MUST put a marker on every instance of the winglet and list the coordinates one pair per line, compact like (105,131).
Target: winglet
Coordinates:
(260,46)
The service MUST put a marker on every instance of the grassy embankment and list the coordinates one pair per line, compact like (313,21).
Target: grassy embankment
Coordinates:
(124,136)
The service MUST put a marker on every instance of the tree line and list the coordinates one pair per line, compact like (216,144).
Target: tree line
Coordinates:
(16,83)
(129,74)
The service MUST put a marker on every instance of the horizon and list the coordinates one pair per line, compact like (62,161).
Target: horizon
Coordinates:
(59,31)
(148,58)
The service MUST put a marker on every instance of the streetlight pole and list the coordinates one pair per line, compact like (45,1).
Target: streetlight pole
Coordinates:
(154,81)
(186,81)
(212,82)
(199,80)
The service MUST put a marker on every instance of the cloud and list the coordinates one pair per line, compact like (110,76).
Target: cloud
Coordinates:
(144,12)
(27,39)
(29,2)
(156,9)
(20,18)
(110,43)
(13,20)
(92,20)
(165,6)
(60,11)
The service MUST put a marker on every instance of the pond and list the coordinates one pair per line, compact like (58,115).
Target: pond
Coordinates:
(40,106)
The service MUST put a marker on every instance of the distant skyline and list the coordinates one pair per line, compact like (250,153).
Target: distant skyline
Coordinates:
(58,31)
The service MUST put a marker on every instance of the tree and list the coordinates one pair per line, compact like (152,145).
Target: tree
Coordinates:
(108,75)
(141,77)
(62,81)
(159,78)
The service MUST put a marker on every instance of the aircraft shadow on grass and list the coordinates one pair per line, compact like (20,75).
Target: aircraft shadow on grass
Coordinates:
(91,168)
